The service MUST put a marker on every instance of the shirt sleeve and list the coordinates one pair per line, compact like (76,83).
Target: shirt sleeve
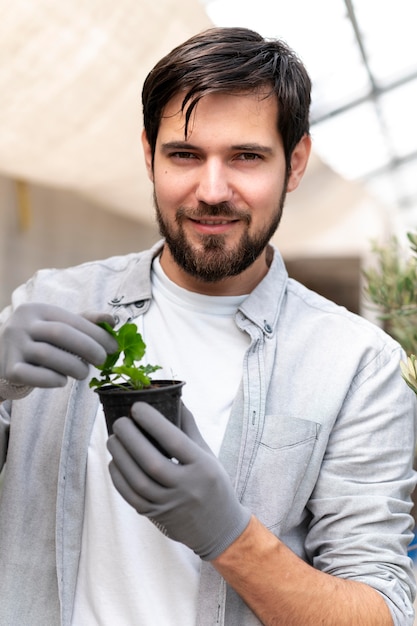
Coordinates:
(361,525)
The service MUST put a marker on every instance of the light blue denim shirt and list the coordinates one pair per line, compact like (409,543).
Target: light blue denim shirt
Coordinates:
(320,446)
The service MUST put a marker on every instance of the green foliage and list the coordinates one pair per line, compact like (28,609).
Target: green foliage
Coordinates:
(392,286)
(122,366)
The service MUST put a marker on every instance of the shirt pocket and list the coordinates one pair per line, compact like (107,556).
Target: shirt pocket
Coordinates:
(279,466)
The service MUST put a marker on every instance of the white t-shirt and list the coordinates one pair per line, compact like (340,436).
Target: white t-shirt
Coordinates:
(130,573)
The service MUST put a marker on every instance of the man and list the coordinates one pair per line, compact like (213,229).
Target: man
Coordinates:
(286,499)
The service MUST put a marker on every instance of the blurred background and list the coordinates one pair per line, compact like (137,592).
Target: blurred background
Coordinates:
(73,185)
(72,182)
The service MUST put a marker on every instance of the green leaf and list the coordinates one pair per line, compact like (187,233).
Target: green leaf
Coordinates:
(131,343)
(95,382)
(124,362)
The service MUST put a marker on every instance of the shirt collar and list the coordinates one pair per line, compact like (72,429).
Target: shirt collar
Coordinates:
(262,306)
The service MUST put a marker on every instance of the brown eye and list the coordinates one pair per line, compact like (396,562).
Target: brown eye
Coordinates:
(249,156)
(183,155)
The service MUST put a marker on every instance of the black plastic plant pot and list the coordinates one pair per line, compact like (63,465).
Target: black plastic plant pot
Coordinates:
(163,395)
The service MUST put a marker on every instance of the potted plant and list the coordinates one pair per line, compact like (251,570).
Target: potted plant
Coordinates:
(123,380)
(391,285)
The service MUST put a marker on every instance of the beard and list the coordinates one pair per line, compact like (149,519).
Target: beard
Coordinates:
(213,261)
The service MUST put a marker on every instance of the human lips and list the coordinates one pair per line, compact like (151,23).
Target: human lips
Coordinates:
(212,222)
(213,225)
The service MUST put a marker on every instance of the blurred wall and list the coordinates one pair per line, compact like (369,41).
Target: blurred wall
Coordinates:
(60,229)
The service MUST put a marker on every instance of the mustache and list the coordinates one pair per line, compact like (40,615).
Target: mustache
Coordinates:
(222,209)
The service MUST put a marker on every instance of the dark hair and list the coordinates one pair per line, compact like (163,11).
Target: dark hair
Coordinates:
(230,60)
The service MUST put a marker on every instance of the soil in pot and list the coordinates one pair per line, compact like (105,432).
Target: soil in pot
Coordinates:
(163,395)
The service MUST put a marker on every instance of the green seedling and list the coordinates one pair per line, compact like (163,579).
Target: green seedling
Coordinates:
(122,368)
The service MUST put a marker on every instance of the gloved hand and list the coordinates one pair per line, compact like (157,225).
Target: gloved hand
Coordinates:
(192,501)
(42,344)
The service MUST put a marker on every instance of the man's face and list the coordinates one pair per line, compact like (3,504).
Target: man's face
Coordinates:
(219,193)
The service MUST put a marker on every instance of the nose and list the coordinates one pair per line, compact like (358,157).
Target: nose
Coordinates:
(213,185)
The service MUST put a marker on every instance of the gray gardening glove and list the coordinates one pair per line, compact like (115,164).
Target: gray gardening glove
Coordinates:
(192,501)
(42,344)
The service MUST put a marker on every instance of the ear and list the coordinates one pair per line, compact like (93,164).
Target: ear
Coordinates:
(299,160)
(147,151)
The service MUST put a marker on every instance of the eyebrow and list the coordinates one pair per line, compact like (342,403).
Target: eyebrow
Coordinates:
(252,147)
(244,147)
(177,145)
